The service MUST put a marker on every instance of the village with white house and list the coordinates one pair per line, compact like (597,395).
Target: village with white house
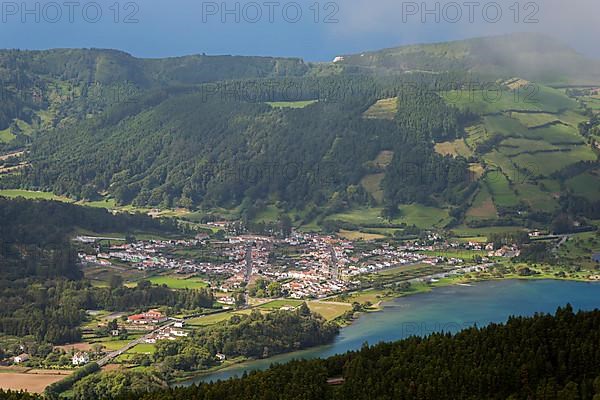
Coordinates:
(308,265)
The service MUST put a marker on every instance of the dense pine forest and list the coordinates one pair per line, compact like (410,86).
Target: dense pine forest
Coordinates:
(188,151)
(541,357)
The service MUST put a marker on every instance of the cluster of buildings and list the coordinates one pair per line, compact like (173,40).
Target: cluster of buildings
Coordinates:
(151,254)
(307,265)
(167,333)
(151,317)
(505,251)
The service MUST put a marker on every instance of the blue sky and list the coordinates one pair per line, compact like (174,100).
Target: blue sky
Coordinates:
(158,28)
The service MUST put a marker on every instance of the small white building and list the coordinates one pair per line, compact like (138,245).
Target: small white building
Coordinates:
(80,358)
(177,332)
(21,358)
(179,324)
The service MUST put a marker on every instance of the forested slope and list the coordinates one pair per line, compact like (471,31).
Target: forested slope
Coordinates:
(185,150)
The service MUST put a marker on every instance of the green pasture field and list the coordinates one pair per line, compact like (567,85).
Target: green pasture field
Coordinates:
(175,282)
(532,120)
(502,194)
(32,195)
(329,310)
(547,163)
(277,304)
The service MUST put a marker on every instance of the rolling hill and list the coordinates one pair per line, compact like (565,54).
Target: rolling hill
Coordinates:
(379,130)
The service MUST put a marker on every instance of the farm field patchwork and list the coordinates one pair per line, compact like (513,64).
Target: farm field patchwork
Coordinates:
(421,216)
(535,197)
(476,134)
(504,126)
(480,234)
(558,134)
(515,146)
(531,98)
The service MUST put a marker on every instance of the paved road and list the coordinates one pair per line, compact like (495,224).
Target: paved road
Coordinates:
(108,357)
(562,241)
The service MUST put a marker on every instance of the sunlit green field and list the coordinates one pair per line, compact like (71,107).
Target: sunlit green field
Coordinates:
(277,304)
(210,319)
(421,216)
(32,195)
(329,310)
(174,282)
(501,192)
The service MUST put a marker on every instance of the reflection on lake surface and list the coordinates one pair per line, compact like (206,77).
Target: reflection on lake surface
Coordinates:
(445,309)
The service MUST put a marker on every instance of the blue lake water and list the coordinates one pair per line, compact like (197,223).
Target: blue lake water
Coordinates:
(444,309)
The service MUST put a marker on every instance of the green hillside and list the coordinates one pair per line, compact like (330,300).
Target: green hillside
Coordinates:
(208,133)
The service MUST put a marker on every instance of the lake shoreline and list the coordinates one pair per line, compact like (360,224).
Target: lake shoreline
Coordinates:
(377,308)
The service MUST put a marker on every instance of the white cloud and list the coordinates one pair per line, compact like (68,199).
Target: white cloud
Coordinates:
(576,22)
